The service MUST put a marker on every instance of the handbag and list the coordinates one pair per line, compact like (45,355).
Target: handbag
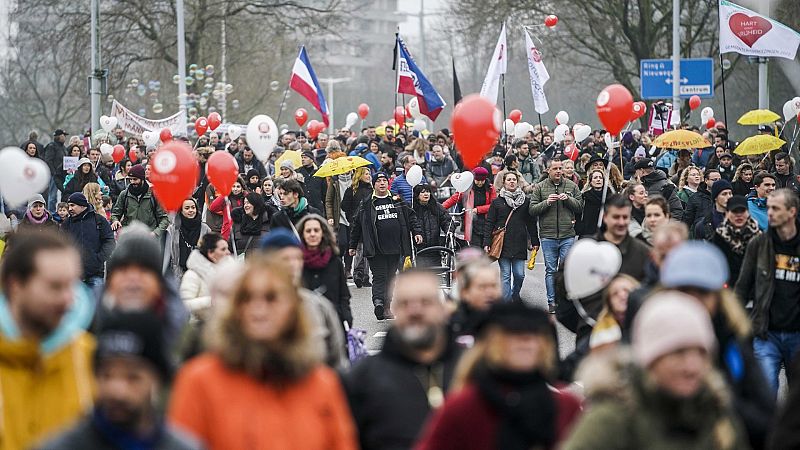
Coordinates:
(498,237)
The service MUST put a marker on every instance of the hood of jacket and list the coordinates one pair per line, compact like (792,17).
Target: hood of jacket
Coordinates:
(75,321)
(654,177)
(201,265)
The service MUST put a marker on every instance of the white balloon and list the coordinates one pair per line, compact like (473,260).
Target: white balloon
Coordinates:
(590,266)
(582,132)
(21,177)
(108,123)
(352,118)
(414,175)
(560,133)
(150,138)
(262,135)
(788,110)
(706,114)
(608,139)
(106,149)
(508,127)
(420,125)
(234,132)
(413,107)
(562,118)
(796,104)
(462,181)
(521,129)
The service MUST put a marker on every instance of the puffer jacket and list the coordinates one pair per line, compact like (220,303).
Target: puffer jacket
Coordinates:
(698,206)
(92,235)
(656,183)
(628,412)
(129,208)
(432,219)
(194,290)
(556,221)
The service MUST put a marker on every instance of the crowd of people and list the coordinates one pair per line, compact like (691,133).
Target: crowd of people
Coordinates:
(228,324)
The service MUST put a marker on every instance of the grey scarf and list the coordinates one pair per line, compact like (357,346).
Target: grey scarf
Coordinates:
(513,199)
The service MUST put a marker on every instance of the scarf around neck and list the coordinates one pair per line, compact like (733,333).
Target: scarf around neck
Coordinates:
(31,219)
(316,259)
(738,238)
(513,199)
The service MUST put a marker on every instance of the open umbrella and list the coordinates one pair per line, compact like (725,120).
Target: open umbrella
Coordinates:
(758,117)
(292,155)
(342,165)
(681,140)
(756,145)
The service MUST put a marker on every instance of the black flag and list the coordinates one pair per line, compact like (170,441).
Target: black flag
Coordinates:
(456,86)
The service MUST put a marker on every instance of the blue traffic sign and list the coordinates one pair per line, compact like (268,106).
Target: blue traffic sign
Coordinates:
(697,78)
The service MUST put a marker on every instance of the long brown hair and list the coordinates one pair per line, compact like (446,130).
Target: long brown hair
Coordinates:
(328,238)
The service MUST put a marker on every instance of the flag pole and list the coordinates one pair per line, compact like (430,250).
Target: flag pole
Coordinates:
(285,93)
(503,84)
(541,132)
(395,65)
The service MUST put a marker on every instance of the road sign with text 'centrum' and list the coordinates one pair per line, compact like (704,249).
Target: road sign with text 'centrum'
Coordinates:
(697,78)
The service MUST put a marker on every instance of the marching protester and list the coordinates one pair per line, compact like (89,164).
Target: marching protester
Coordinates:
(384,224)
(733,235)
(592,195)
(201,267)
(476,203)
(656,183)
(556,202)
(479,287)
(763,185)
(433,220)
(37,217)
(721,192)
(413,371)
(743,180)
(249,224)
(183,236)
(262,381)
(510,231)
(40,304)
(315,187)
(137,203)
(700,204)
(294,205)
(360,189)
(92,235)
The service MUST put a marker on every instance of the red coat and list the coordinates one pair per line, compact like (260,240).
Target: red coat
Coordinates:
(468,203)
(467,421)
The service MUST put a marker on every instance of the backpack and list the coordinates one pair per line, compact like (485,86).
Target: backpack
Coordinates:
(153,205)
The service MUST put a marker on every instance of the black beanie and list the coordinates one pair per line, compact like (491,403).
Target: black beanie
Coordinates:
(136,247)
(133,334)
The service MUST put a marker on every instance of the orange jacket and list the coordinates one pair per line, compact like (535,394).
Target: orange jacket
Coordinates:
(228,409)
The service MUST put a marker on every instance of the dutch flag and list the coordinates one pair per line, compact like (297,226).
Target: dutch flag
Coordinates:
(305,82)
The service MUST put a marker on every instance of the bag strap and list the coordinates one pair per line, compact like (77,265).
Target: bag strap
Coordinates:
(509,217)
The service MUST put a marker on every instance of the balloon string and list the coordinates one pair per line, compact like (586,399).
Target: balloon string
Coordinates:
(228,212)
(605,184)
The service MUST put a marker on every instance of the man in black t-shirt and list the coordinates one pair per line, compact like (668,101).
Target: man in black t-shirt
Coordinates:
(383,223)
(770,276)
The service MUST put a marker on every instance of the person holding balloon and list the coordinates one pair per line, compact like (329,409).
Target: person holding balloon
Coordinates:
(476,202)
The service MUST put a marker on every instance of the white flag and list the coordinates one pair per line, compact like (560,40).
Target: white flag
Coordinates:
(748,33)
(539,75)
(497,67)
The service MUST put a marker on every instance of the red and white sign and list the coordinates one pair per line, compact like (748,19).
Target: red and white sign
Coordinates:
(748,33)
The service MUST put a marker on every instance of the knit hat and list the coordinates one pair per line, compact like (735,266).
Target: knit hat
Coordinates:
(667,322)
(680,268)
(78,199)
(640,152)
(37,198)
(280,238)
(133,335)
(137,171)
(287,164)
(308,153)
(136,247)
(377,175)
(480,173)
(719,186)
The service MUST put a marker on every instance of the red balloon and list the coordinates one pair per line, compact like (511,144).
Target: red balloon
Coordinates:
(637,110)
(476,122)
(118,153)
(614,106)
(711,122)
(222,170)
(694,102)
(551,20)
(214,121)
(363,110)
(399,115)
(300,116)
(313,128)
(165,135)
(174,174)
(798,117)
(515,115)
(571,152)
(132,156)
(201,126)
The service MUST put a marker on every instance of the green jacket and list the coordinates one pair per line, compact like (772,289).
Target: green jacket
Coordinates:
(628,412)
(556,221)
(145,209)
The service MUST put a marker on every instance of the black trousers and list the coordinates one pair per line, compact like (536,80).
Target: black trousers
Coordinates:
(343,237)
(384,268)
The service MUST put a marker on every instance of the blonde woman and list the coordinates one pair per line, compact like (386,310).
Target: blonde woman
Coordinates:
(94,195)
(690,180)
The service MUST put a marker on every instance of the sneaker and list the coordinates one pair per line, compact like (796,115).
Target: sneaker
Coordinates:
(367,284)
(379,312)
(358,282)
(551,308)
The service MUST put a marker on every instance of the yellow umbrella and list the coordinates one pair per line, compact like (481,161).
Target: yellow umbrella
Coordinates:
(339,166)
(292,155)
(757,117)
(681,140)
(756,145)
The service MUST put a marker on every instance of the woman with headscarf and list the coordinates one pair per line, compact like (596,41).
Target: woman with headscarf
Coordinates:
(502,396)
(252,181)
(250,223)
(262,383)
(183,236)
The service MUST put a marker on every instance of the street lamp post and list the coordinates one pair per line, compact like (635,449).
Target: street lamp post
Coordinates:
(330,82)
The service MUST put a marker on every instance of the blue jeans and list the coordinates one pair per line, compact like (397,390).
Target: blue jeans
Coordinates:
(555,251)
(52,196)
(779,347)
(508,267)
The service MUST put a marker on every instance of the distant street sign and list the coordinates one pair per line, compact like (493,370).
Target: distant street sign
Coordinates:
(697,78)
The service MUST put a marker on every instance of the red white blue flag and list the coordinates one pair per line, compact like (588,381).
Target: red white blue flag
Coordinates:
(411,80)
(305,82)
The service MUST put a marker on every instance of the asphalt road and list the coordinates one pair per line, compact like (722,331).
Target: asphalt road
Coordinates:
(533,292)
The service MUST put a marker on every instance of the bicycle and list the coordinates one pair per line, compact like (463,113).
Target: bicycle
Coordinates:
(452,243)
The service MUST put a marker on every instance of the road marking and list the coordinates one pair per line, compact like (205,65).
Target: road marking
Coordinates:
(379,334)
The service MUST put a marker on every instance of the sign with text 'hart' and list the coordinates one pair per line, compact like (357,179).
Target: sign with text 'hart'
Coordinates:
(748,33)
